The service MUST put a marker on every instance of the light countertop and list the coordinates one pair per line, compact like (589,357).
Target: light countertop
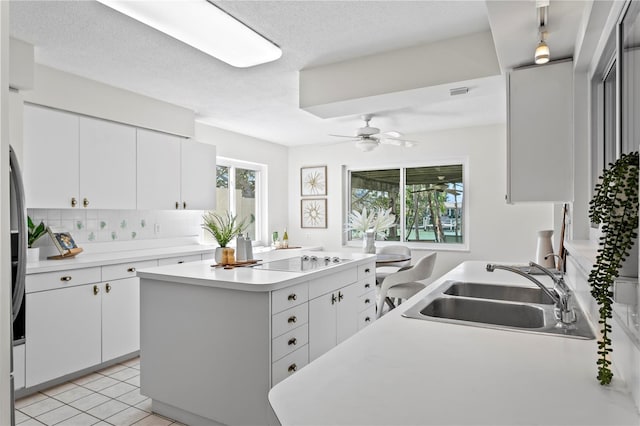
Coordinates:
(407,371)
(247,278)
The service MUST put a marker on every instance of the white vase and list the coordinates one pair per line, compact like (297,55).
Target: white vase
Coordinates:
(545,247)
(218,255)
(33,255)
(369,242)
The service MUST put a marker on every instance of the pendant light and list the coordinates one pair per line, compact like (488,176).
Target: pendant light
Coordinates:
(541,55)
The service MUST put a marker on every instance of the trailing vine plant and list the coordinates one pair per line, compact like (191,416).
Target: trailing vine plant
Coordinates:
(615,205)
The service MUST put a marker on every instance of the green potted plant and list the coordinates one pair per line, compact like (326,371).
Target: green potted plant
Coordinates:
(615,206)
(223,227)
(33,234)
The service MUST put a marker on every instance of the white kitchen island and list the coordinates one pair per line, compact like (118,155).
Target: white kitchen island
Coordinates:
(213,341)
(403,371)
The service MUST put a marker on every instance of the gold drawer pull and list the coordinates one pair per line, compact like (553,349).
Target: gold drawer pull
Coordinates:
(367,285)
(65,278)
(85,202)
(292,297)
(177,205)
(180,262)
(132,269)
(367,319)
(108,287)
(292,368)
(184,204)
(366,271)
(292,342)
(292,319)
(74,202)
(367,301)
(96,290)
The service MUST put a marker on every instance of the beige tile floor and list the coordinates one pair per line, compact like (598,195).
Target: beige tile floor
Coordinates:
(107,397)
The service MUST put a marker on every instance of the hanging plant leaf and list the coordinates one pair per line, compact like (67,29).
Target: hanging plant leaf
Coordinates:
(615,206)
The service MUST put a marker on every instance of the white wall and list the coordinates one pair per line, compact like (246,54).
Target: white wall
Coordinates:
(246,148)
(497,231)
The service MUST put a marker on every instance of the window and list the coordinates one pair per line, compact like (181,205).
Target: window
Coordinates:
(428,201)
(245,200)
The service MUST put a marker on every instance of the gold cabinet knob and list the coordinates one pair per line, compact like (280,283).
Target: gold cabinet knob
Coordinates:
(292,368)
(367,319)
(367,301)
(107,287)
(96,290)
(66,278)
(292,319)
(292,342)
(85,202)
(177,205)
(132,269)
(292,297)
(74,202)
(184,205)
(366,271)
(367,285)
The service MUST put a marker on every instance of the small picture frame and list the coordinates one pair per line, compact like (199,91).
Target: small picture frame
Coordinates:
(313,213)
(313,181)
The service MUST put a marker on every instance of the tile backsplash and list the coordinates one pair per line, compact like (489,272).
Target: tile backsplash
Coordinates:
(101,226)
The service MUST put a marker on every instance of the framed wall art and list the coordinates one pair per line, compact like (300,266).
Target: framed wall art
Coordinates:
(313,181)
(313,213)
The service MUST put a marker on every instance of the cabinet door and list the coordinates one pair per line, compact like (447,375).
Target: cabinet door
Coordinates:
(347,311)
(107,164)
(62,332)
(120,317)
(540,134)
(51,158)
(158,171)
(198,175)
(322,324)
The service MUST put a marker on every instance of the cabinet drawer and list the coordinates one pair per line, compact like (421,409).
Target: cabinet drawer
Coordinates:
(366,285)
(179,259)
(289,319)
(125,270)
(332,282)
(289,342)
(366,317)
(68,278)
(288,297)
(288,365)
(367,270)
(366,301)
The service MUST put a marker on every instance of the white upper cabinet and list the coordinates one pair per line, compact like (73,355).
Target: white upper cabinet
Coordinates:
(540,133)
(51,158)
(107,164)
(158,170)
(175,173)
(198,175)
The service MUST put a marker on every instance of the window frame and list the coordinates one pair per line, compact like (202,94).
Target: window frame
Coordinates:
(443,161)
(261,196)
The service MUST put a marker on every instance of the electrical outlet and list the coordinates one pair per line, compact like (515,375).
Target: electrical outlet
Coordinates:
(156,228)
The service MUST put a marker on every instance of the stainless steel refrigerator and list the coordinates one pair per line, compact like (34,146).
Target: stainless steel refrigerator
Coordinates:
(18,225)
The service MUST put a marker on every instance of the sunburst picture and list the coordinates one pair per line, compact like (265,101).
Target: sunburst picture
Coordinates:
(313,213)
(313,181)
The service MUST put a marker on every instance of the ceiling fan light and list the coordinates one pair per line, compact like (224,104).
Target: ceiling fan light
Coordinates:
(367,145)
(542,53)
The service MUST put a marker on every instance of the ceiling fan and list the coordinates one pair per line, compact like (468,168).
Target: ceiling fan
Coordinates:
(368,138)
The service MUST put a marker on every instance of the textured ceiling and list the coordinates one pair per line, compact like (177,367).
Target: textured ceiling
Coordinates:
(88,39)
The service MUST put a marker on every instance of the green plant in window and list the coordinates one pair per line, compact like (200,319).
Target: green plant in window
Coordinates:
(615,205)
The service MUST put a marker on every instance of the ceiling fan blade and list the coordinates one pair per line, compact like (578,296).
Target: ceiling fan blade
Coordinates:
(392,134)
(399,142)
(344,136)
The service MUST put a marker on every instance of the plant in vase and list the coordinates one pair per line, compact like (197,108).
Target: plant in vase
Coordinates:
(33,234)
(370,225)
(615,205)
(223,227)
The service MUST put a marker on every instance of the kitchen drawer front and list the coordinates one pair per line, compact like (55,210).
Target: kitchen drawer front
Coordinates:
(289,342)
(367,270)
(366,317)
(286,298)
(179,259)
(210,255)
(366,301)
(366,285)
(332,282)
(125,270)
(60,279)
(289,319)
(288,365)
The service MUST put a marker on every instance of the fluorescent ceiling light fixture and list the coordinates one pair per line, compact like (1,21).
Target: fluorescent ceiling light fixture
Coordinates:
(204,26)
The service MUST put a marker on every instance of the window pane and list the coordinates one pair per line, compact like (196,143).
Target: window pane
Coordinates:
(630,90)
(376,189)
(246,198)
(609,118)
(433,204)
(222,189)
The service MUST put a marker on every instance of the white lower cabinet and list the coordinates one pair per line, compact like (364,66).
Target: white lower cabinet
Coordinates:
(120,317)
(333,317)
(18,366)
(62,332)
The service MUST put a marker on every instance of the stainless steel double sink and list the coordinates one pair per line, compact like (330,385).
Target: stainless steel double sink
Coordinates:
(504,307)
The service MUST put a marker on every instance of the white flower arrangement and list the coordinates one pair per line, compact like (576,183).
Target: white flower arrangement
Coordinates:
(377,221)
